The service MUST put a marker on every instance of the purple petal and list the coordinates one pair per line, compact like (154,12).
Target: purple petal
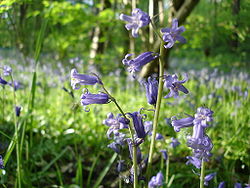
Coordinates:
(180,38)
(174,23)
(126,18)
(183,89)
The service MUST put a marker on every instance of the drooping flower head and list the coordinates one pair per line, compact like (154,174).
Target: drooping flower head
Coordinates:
(89,98)
(7,70)
(16,84)
(208,178)
(182,123)
(135,65)
(203,116)
(164,154)
(136,21)
(173,34)
(222,184)
(138,124)
(199,141)
(174,142)
(174,85)
(2,81)
(194,161)
(156,181)
(115,147)
(120,166)
(138,151)
(82,79)
(1,162)
(237,185)
(18,110)
(151,90)
(159,136)
(115,124)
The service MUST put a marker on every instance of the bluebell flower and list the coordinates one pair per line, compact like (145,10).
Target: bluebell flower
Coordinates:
(115,124)
(222,185)
(120,166)
(18,110)
(156,181)
(136,21)
(194,161)
(148,125)
(247,185)
(1,162)
(174,85)
(2,81)
(201,147)
(114,146)
(173,34)
(151,90)
(89,98)
(181,123)
(17,85)
(7,70)
(135,65)
(199,141)
(138,124)
(237,185)
(164,154)
(82,79)
(174,142)
(138,153)
(120,138)
(158,136)
(208,178)
(203,116)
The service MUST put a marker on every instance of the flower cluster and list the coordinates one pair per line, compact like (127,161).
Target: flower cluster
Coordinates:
(136,21)
(172,34)
(199,141)
(174,85)
(135,65)
(156,181)
(88,98)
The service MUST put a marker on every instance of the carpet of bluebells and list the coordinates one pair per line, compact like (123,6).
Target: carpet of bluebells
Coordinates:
(66,146)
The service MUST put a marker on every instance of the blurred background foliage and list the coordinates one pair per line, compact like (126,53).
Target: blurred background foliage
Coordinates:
(217,31)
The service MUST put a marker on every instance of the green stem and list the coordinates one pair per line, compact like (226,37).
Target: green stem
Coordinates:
(3,103)
(132,137)
(16,136)
(157,110)
(120,180)
(120,109)
(135,165)
(202,174)
(167,170)
(156,31)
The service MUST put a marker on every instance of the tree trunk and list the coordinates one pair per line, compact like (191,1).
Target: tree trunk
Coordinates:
(95,45)
(235,12)
(180,9)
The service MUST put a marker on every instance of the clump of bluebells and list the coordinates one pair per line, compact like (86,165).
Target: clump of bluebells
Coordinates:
(199,141)
(129,130)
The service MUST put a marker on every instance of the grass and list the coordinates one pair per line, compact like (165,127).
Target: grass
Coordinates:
(65,146)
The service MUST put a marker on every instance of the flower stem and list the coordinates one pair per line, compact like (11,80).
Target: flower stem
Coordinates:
(157,109)
(3,103)
(16,136)
(156,31)
(135,166)
(202,174)
(167,170)
(131,134)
